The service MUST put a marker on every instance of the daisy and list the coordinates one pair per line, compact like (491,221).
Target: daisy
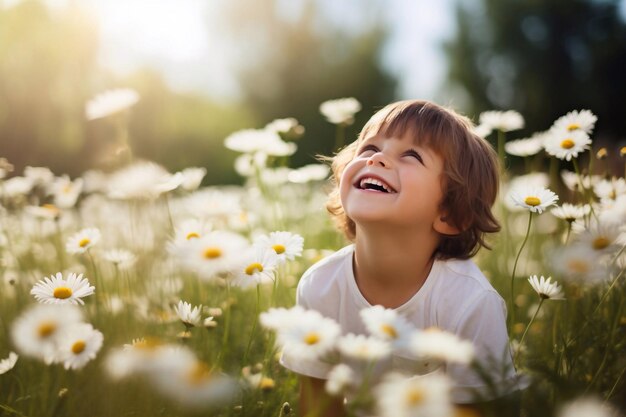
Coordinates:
(192,177)
(82,241)
(525,147)
(578,263)
(386,324)
(78,345)
(259,140)
(65,191)
(286,245)
(482,130)
(178,374)
(571,181)
(610,189)
(288,127)
(340,111)
(191,229)
(142,180)
(307,335)
(587,407)
(59,290)
(427,396)
(504,121)
(363,348)
(438,344)
(570,212)
(8,363)
(215,253)
(599,238)
(307,173)
(188,315)
(120,257)
(46,211)
(546,289)
(277,319)
(535,199)
(35,332)
(583,120)
(567,145)
(340,378)
(110,102)
(257,268)
(41,176)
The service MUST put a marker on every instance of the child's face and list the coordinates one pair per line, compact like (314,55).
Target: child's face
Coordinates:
(393,180)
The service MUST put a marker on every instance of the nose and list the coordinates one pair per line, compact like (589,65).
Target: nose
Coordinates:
(378,159)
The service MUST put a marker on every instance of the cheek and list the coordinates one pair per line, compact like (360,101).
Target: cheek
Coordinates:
(346,181)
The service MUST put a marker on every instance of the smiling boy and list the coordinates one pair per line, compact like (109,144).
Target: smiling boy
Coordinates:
(414,193)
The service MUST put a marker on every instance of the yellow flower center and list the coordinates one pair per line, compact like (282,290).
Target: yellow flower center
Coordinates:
(278,249)
(192,235)
(414,397)
(532,201)
(622,151)
(51,208)
(212,253)
(578,266)
(84,242)
(62,293)
(46,328)
(78,347)
(199,373)
(254,267)
(600,243)
(149,343)
(573,126)
(311,338)
(267,384)
(67,189)
(567,144)
(389,331)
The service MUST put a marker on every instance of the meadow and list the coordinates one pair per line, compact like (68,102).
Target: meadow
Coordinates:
(141,293)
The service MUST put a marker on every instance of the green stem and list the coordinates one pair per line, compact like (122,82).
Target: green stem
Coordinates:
(256,320)
(608,396)
(225,335)
(528,327)
(530,219)
(501,153)
(608,346)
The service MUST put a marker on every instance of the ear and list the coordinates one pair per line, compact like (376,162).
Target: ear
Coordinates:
(443,227)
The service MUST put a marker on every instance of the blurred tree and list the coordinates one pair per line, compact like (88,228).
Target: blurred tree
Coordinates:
(543,59)
(49,70)
(46,62)
(290,57)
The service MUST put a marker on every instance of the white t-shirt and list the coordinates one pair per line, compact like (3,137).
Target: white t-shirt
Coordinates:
(456,297)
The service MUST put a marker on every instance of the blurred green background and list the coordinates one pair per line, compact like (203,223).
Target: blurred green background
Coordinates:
(248,62)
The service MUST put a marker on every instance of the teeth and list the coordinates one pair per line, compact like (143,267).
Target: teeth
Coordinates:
(375,182)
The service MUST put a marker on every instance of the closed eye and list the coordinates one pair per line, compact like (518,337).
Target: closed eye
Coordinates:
(368,148)
(413,153)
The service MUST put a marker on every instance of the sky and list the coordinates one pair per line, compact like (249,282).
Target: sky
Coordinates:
(181,39)
(178,39)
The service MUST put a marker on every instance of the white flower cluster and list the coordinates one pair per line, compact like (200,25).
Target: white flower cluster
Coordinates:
(173,370)
(306,334)
(56,334)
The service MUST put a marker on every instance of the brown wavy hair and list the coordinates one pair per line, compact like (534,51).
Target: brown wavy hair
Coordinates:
(470,171)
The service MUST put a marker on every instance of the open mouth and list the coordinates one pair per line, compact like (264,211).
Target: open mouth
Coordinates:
(374,184)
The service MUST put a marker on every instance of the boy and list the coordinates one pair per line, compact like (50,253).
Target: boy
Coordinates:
(414,193)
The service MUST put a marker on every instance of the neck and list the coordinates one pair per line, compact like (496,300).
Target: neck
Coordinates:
(390,266)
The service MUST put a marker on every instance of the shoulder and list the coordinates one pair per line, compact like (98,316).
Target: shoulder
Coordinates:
(463,285)
(322,282)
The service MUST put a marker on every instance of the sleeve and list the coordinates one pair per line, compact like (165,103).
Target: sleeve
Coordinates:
(306,297)
(483,322)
